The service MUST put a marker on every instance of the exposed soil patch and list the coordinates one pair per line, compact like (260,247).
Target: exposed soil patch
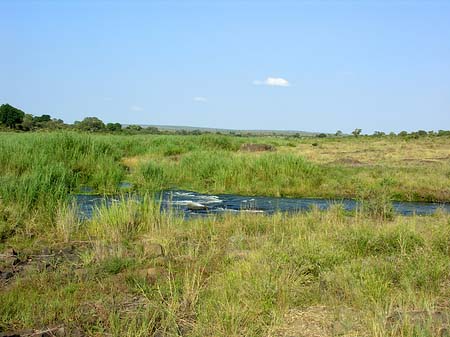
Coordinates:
(348,161)
(14,263)
(320,321)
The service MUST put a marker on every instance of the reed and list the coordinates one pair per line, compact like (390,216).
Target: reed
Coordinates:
(241,275)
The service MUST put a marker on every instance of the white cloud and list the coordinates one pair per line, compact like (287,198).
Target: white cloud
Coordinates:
(136,108)
(273,82)
(200,99)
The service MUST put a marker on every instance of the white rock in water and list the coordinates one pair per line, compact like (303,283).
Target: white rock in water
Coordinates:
(196,206)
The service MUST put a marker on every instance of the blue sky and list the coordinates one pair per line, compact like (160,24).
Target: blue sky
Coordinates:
(288,65)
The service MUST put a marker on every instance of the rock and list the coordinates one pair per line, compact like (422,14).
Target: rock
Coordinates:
(196,206)
(251,147)
(153,250)
(58,332)
(50,333)
(6,275)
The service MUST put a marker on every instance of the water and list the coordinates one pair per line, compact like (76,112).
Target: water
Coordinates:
(193,204)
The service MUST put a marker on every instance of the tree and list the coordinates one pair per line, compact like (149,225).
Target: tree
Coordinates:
(42,119)
(113,127)
(338,133)
(27,122)
(54,124)
(134,127)
(91,124)
(152,130)
(356,132)
(10,116)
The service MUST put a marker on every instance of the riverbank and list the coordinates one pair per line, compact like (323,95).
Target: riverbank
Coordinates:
(403,169)
(132,271)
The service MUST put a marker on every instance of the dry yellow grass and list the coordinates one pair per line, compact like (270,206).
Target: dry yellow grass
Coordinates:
(376,151)
(320,321)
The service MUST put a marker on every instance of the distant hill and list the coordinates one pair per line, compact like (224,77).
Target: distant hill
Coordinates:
(229,131)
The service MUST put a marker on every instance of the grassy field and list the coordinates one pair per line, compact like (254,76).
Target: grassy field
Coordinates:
(134,271)
(412,170)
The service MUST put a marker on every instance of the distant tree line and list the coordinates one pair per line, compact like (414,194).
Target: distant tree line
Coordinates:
(405,134)
(15,119)
(358,133)
(12,118)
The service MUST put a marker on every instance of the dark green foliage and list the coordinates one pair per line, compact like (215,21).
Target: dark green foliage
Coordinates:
(90,124)
(134,127)
(10,116)
(42,119)
(356,132)
(114,127)
(443,133)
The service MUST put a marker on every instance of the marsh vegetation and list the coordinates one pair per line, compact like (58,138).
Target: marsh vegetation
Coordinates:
(133,270)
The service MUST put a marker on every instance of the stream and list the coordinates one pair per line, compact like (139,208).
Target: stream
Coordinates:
(192,204)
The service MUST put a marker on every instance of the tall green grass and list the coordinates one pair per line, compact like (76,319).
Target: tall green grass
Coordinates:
(228,172)
(239,275)
(38,171)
